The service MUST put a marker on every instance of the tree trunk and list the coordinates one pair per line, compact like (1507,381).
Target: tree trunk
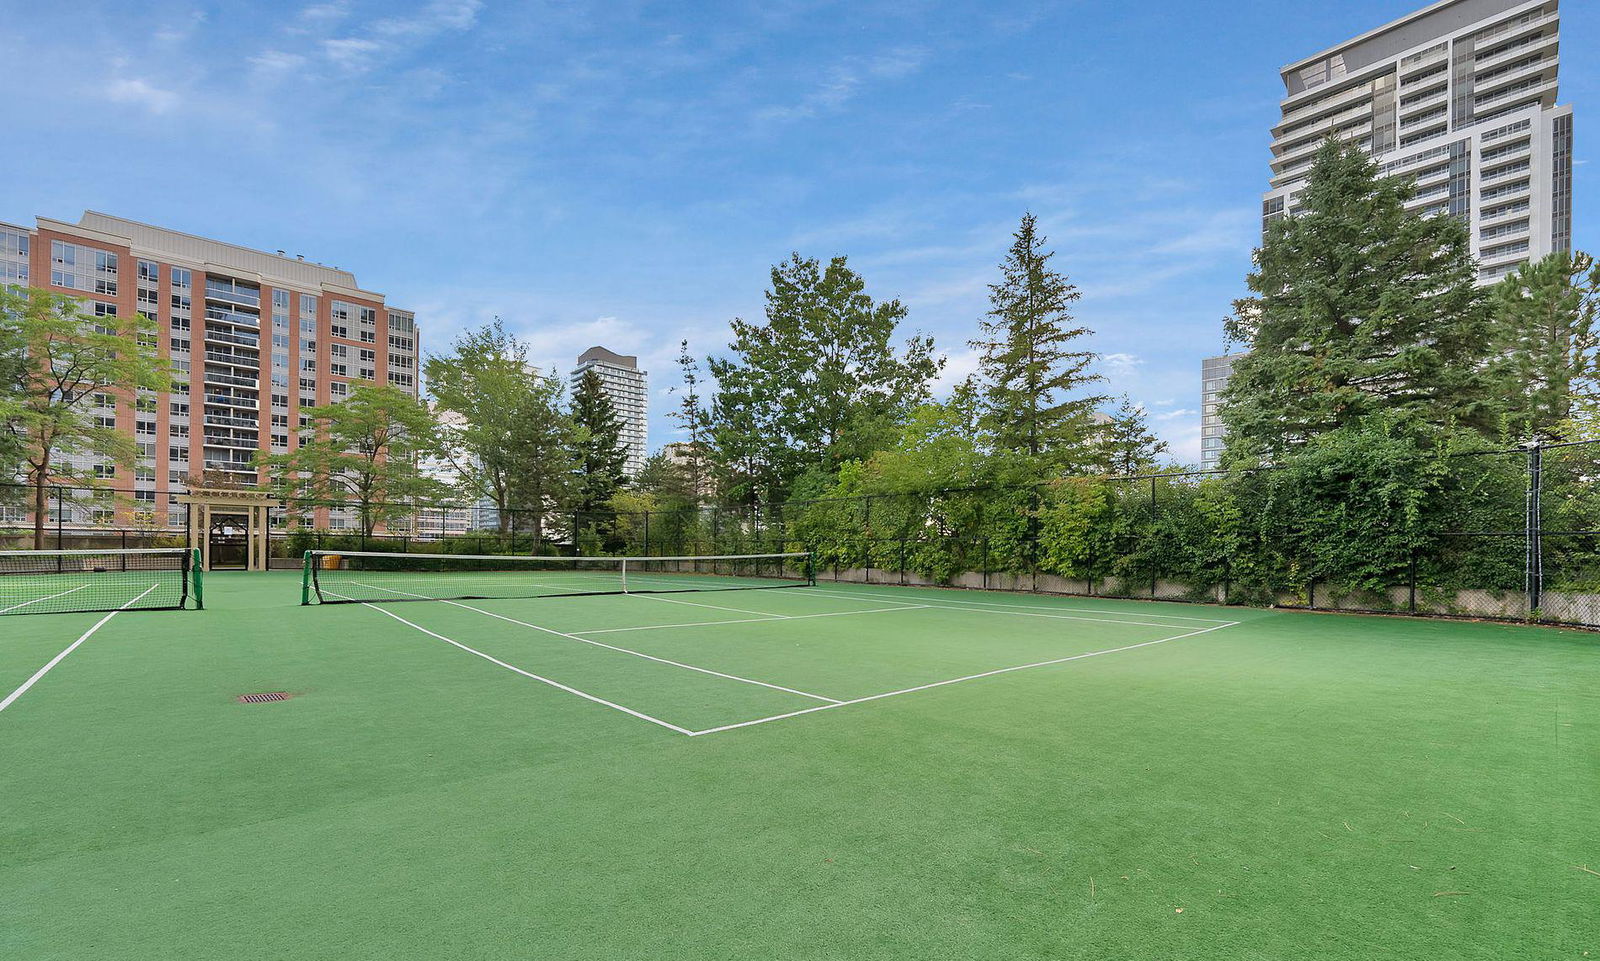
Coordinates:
(39,502)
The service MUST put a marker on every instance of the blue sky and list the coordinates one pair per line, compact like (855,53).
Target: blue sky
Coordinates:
(625,173)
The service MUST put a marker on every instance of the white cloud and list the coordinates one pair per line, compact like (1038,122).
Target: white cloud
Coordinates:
(1120,365)
(277,61)
(438,16)
(845,79)
(361,49)
(959,364)
(350,53)
(136,91)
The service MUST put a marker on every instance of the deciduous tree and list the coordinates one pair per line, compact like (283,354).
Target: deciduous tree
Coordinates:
(57,360)
(822,381)
(362,451)
(478,388)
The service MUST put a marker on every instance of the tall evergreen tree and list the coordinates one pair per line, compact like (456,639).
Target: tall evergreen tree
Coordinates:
(1544,321)
(821,382)
(691,415)
(1359,306)
(1030,376)
(1126,445)
(601,455)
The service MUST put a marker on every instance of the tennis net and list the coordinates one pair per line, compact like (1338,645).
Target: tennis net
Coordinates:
(55,582)
(344,577)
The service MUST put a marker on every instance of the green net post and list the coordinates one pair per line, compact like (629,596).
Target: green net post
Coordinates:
(305,580)
(199,579)
(811,568)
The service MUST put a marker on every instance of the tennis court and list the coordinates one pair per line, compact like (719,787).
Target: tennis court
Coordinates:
(694,769)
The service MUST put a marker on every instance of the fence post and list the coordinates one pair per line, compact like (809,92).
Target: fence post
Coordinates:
(645,547)
(1533,573)
(1412,606)
(1149,533)
(61,510)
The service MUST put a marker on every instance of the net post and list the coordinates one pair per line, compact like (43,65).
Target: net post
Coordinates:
(199,579)
(811,568)
(305,580)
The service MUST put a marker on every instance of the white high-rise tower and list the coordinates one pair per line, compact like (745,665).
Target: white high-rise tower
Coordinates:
(628,387)
(1461,96)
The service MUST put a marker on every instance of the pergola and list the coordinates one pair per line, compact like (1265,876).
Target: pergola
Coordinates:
(207,504)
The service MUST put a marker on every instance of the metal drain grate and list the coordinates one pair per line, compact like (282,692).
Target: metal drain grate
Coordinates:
(263,698)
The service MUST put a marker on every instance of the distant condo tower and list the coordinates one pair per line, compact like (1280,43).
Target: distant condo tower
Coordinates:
(628,388)
(1460,95)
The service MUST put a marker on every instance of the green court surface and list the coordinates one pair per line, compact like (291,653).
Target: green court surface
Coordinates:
(832,772)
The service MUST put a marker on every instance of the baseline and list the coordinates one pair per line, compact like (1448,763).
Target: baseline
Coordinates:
(954,606)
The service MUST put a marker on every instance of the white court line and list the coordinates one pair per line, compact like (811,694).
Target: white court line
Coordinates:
(623,650)
(528,674)
(747,620)
(979,610)
(714,607)
(36,600)
(1087,610)
(958,680)
(11,698)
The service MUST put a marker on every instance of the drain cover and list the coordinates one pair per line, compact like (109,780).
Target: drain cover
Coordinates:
(263,698)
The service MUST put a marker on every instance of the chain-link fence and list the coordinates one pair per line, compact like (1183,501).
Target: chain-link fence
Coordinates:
(1509,534)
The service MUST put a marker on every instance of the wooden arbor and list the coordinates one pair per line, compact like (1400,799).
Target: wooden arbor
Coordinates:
(239,508)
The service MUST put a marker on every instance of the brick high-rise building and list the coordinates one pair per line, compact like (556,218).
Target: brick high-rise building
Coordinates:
(254,338)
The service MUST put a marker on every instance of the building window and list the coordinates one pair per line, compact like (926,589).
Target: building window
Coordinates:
(83,268)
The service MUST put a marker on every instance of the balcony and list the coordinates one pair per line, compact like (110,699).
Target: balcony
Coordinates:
(1516,51)
(230,293)
(229,400)
(250,361)
(1521,26)
(1536,92)
(237,467)
(228,337)
(220,420)
(219,315)
(218,377)
(232,443)
(1291,132)
(1422,104)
